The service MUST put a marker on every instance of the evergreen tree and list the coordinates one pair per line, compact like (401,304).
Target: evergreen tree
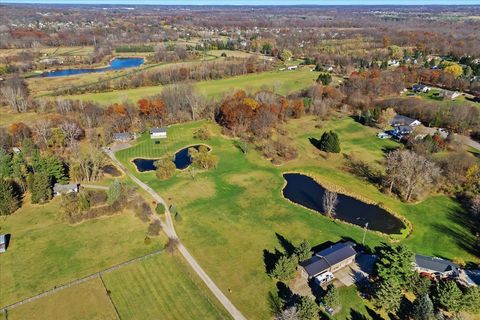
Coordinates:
(331,297)
(50,165)
(19,170)
(307,308)
(423,308)
(303,251)
(472,299)
(388,296)
(8,201)
(5,164)
(324,78)
(329,142)
(395,265)
(41,188)
(284,268)
(448,296)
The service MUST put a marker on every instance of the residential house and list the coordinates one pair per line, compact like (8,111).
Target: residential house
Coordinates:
(123,136)
(420,88)
(400,120)
(292,68)
(331,259)
(449,95)
(437,267)
(158,133)
(3,243)
(402,130)
(59,189)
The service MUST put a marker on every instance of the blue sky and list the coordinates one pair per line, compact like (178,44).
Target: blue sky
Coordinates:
(256,2)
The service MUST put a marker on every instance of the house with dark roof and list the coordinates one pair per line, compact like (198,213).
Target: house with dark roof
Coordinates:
(400,120)
(123,136)
(437,267)
(420,88)
(403,130)
(59,189)
(158,133)
(331,259)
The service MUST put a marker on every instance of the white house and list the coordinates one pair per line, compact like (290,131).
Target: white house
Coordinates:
(292,68)
(59,189)
(158,133)
(400,120)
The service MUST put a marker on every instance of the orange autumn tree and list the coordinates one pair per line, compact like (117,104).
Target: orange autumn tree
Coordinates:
(152,110)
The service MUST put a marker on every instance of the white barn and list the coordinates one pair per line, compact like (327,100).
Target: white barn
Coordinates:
(158,133)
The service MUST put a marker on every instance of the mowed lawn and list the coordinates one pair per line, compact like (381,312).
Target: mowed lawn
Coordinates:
(234,216)
(161,287)
(45,252)
(88,300)
(284,82)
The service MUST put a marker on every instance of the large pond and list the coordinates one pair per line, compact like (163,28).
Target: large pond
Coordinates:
(305,191)
(115,64)
(182,160)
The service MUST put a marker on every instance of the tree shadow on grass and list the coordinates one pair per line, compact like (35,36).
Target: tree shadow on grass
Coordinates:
(465,240)
(355,315)
(373,314)
(315,142)
(286,244)
(270,259)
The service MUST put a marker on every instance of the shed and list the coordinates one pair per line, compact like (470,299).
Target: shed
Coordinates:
(158,133)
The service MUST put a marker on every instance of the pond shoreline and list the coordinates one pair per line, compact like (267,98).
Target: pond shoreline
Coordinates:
(404,233)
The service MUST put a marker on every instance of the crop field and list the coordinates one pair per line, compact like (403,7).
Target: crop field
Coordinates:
(161,287)
(234,217)
(284,82)
(45,252)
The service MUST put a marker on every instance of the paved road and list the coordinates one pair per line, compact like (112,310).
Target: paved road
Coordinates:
(171,233)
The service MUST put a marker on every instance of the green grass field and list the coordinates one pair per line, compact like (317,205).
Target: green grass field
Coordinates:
(45,252)
(231,215)
(88,300)
(284,82)
(161,287)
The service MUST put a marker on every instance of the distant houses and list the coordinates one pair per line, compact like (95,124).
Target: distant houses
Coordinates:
(158,133)
(420,88)
(329,260)
(59,189)
(448,94)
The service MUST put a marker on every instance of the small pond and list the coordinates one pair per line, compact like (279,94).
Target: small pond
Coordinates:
(115,64)
(305,191)
(182,160)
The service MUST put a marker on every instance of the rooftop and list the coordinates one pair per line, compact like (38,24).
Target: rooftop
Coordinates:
(157,130)
(326,258)
(435,264)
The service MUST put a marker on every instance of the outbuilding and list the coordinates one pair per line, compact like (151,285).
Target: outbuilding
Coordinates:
(436,266)
(3,243)
(158,133)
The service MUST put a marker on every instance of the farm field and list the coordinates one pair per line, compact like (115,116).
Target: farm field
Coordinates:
(161,287)
(88,300)
(233,217)
(284,82)
(45,252)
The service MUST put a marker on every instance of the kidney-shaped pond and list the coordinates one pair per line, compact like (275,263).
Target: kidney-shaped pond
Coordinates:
(305,191)
(182,160)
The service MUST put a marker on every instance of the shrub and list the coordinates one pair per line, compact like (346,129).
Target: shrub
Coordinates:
(154,228)
(160,208)
(165,168)
(324,78)
(329,142)
(202,134)
(285,268)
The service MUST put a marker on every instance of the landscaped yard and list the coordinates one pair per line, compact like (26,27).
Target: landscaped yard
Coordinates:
(161,287)
(234,216)
(45,252)
(284,82)
(88,300)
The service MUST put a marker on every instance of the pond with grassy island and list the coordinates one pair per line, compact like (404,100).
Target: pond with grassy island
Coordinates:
(115,64)
(182,160)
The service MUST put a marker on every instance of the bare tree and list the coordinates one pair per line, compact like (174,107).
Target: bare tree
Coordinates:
(410,173)
(72,131)
(15,93)
(42,131)
(330,200)
(288,314)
